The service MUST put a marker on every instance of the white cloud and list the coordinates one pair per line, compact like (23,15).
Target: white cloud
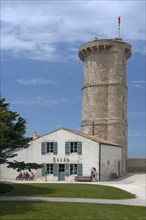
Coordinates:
(27,82)
(39,101)
(38,28)
(138,84)
(136,134)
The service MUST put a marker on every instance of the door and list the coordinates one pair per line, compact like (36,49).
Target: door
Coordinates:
(61,175)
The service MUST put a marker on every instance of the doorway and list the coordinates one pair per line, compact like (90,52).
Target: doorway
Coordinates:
(61,175)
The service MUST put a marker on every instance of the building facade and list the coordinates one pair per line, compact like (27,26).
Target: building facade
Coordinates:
(104,91)
(65,153)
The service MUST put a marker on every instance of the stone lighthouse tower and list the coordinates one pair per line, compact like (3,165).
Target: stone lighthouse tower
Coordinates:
(104,91)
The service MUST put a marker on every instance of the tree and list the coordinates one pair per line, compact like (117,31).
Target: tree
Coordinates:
(12,131)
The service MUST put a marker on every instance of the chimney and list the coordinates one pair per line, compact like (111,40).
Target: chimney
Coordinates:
(34,135)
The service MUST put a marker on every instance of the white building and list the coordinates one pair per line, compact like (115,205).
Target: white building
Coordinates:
(65,153)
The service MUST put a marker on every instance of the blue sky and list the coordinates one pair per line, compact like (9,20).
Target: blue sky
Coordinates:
(41,74)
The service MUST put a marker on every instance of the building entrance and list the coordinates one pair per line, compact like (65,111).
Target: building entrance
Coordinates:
(61,174)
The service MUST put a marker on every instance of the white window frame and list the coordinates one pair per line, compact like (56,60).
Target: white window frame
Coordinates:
(49,168)
(49,147)
(73,169)
(73,147)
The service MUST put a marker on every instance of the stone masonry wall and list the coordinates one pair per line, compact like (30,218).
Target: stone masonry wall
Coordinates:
(136,165)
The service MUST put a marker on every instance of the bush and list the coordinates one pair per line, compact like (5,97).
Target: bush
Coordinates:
(5,188)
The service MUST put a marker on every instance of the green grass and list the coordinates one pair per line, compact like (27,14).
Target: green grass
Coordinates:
(69,190)
(68,211)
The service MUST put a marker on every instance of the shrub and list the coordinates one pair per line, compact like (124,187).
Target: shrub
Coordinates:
(5,188)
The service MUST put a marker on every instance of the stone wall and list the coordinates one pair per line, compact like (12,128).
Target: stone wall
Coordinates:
(136,165)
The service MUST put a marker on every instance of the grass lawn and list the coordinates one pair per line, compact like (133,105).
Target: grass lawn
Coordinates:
(69,190)
(68,211)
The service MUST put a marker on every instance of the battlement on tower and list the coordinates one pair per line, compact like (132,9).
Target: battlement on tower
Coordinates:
(116,45)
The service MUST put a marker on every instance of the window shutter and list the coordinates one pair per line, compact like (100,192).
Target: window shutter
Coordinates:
(55,169)
(55,148)
(44,169)
(67,169)
(67,147)
(79,148)
(79,169)
(44,148)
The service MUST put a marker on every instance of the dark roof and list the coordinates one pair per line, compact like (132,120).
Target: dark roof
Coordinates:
(88,136)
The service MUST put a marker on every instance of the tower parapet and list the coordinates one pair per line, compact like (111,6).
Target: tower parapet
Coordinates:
(104,45)
(104,91)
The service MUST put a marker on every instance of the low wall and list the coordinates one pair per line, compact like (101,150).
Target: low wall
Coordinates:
(136,165)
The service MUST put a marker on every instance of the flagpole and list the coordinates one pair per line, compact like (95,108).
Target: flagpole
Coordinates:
(119,20)
(118,31)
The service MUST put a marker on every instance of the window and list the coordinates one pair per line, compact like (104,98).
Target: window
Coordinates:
(73,147)
(73,169)
(50,147)
(50,168)
(101,48)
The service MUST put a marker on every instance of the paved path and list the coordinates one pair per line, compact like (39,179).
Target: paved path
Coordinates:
(134,202)
(133,183)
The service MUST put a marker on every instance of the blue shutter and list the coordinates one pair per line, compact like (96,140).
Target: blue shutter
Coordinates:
(44,169)
(55,169)
(43,148)
(55,148)
(67,169)
(79,147)
(67,147)
(79,169)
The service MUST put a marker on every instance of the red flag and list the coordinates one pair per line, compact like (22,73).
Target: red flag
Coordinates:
(119,20)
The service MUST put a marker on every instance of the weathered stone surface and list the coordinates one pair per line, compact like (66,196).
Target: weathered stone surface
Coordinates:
(104,92)
(137,165)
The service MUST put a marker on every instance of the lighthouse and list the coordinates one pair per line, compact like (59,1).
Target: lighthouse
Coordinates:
(104,90)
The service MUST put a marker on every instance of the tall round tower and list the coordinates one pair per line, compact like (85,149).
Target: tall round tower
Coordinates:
(104,92)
